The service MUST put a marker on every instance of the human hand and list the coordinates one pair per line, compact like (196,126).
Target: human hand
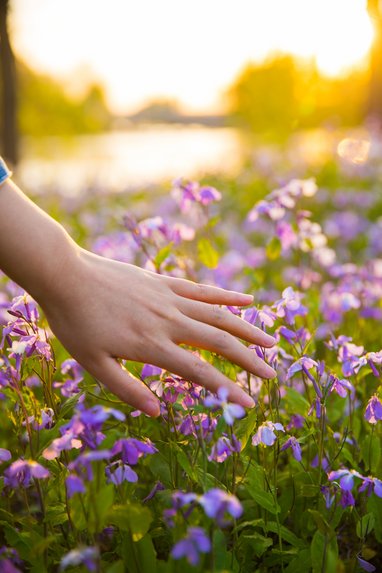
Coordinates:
(102,310)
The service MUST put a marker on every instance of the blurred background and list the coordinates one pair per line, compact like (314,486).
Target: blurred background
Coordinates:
(124,94)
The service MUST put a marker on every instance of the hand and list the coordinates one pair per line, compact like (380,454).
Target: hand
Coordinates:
(102,310)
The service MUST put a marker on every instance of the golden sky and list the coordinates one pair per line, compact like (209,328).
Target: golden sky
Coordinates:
(189,50)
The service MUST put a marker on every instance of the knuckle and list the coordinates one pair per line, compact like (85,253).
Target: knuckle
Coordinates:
(218,312)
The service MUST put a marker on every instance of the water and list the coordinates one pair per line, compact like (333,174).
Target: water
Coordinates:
(129,159)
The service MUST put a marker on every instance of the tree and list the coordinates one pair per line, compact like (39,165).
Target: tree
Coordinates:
(9,132)
(375,94)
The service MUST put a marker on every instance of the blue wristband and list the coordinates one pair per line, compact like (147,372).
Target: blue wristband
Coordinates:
(4,171)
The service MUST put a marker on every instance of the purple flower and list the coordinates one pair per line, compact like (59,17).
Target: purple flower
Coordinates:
(324,463)
(83,464)
(216,503)
(68,441)
(289,306)
(5,455)
(302,364)
(296,448)
(87,556)
(190,192)
(346,478)
(191,546)
(74,484)
(97,415)
(123,472)
(21,472)
(288,334)
(347,499)
(157,487)
(132,449)
(224,448)
(266,434)
(150,370)
(365,565)
(296,421)
(263,317)
(341,386)
(373,410)
(230,411)
(209,194)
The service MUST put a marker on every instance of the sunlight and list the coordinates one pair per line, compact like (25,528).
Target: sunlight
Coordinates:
(174,49)
(339,39)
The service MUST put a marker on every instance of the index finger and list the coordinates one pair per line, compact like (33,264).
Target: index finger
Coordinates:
(208,293)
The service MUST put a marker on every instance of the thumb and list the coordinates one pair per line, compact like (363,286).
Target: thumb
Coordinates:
(126,387)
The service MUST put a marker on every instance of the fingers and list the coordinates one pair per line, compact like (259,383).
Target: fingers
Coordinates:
(126,387)
(225,320)
(192,368)
(216,340)
(207,293)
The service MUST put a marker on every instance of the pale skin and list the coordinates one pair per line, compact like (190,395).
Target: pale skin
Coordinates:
(102,310)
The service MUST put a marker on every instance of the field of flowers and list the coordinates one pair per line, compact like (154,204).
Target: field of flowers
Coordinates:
(293,485)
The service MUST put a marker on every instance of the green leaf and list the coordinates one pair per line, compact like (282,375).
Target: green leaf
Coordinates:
(244,428)
(222,556)
(117,567)
(162,255)
(207,254)
(285,533)
(365,525)
(321,523)
(185,463)
(69,404)
(100,507)
(318,553)
(131,517)
(295,401)
(371,453)
(324,553)
(273,249)
(56,514)
(264,498)
(258,542)
(300,564)
(374,505)
(309,490)
(146,554)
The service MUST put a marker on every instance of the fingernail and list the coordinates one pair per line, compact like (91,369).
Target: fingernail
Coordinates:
(152,408)
(247,401)
(268,339)
(247,297)
(269,372)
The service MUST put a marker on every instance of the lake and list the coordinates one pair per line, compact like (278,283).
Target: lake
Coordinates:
(129,159)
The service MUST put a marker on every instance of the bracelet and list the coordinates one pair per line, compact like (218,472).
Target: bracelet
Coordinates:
(4,171)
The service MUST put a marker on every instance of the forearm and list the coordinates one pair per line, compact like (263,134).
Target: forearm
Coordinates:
(33,246)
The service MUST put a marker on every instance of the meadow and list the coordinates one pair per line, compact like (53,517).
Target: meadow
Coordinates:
(293,485)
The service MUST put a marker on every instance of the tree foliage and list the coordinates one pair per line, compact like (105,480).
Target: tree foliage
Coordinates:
(284,94)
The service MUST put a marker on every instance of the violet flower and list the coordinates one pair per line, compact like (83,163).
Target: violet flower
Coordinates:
(266,434)
(373,411)
(216,503)
(192,545)
(230,411)
(74,484)
(5,455)
(87,556)
(21,472)
(365,565)
(132,449)
(292,442)
(224,448)
(302,364)
(121,473)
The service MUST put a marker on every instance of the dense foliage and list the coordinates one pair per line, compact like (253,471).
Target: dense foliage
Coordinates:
(292,485)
